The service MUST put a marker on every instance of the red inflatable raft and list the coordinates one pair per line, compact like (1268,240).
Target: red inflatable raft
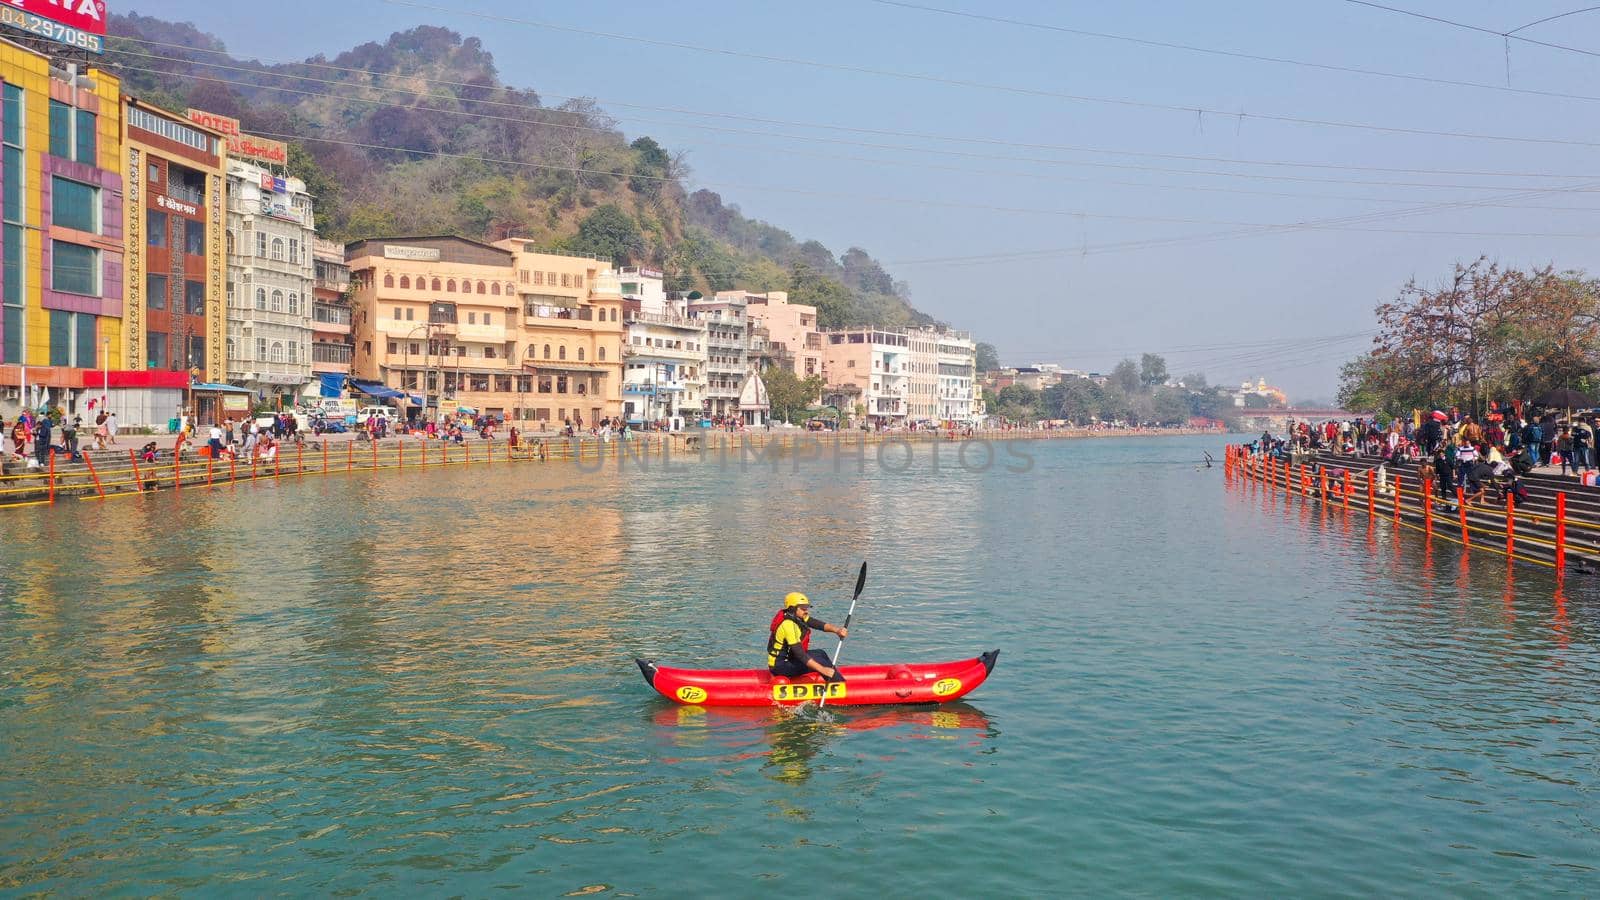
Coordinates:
(863,685)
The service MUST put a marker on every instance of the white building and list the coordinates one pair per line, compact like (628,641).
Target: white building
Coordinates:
(727,351)
(270,281)
(871,365)
(664,354)
(958,399)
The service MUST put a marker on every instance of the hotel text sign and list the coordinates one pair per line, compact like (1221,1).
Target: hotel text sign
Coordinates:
(426,254)
(76,23)
(241,145)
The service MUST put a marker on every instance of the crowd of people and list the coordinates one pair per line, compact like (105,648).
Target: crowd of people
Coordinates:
(1451,449)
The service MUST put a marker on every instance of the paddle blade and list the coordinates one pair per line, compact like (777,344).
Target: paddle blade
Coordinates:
(861,581)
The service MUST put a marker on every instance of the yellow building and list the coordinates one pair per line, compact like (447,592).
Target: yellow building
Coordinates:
(501,330)
(62,242)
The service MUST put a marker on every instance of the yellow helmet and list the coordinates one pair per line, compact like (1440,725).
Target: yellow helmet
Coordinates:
(796,599)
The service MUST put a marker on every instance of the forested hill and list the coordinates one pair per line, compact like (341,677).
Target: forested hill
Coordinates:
(417,135)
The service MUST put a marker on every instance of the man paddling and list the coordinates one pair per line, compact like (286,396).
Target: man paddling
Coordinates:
(788,653)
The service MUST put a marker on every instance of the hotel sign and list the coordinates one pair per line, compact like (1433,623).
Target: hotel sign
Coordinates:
(75,23)
(423,254)
(241,145)
(166,202)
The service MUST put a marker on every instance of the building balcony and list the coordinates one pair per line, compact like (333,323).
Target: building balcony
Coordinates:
(319,367)
(662,319)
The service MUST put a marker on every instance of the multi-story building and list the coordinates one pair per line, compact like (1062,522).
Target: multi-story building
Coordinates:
(957,359)
(571,305)
(871,364)
(271,231)
(503,330)
(727,350)
(793,339)
(62,240)
(663,351)
(175,262)
(922,367)
(331,347)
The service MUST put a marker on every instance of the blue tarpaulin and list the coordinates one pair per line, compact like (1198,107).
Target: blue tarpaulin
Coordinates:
(375,389)
(333,384)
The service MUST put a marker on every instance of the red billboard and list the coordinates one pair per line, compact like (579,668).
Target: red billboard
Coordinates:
(76,23)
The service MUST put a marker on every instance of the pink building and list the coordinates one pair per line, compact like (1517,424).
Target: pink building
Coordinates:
(792,336)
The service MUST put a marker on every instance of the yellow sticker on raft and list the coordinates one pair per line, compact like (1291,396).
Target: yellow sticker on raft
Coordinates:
(833,691)
(944,687)
(691,694)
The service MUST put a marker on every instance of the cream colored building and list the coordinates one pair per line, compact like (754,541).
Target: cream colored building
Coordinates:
(792,337)
(504,330)
(664,354)
(871,364)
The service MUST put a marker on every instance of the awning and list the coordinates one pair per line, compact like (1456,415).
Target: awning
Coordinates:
(219,388)
(374,389)
(332,383)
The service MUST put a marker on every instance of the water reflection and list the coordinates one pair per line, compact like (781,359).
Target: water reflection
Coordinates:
(787,740)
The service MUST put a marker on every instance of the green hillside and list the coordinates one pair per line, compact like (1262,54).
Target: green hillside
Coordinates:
(418,135)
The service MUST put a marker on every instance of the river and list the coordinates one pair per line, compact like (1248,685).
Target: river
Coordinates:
(425,683)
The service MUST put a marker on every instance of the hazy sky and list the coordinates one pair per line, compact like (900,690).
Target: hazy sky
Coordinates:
(1064,228)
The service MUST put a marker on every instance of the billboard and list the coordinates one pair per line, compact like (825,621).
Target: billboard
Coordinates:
(76,23)
(240,145)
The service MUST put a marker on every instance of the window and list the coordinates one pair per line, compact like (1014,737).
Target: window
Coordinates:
(277,251)
(566,279)
(155,343)
(72,339)
(197,352)
(294,351)
(580,354)
(472,318)
(74,205)
(388,279)
(194,298)
(277,301)
(397,314)
(394,347)
(277,351)
(495,288)
(60,129)
(261,350)
(538,278)
(450,286)
(229,238)
(74,268)
(84,139)
(561,384)
(261,251)
(601,354)
(411,314)
(561,352)
(12,114)
(546,351)
(577,281)
(405,282)
(545,384)
(261,299)
(194,238)
(155,291)
(294,304)
(550,278)
(436,285)
(489,353)
(480,287)
(488,318)
(294,251)
(155,174)
(183,134)
(13,182)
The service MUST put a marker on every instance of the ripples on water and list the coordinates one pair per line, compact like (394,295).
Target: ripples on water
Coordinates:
(426,683)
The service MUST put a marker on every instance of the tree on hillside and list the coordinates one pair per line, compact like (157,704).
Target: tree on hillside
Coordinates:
(1152,370)
(863,273)
(988,358)
(831,298)
(609,232)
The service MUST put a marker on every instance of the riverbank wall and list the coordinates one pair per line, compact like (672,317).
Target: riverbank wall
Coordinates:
(112,473)
(1556,527)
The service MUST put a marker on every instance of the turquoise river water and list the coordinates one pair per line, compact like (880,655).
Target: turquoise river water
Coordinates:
(425,684)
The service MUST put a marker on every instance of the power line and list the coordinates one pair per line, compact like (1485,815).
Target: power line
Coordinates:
(902,163)
(1012,89)
(1254,57)
(1507,35)
(919,135)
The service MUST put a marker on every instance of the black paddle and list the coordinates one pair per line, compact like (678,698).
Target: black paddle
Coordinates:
(861,582)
